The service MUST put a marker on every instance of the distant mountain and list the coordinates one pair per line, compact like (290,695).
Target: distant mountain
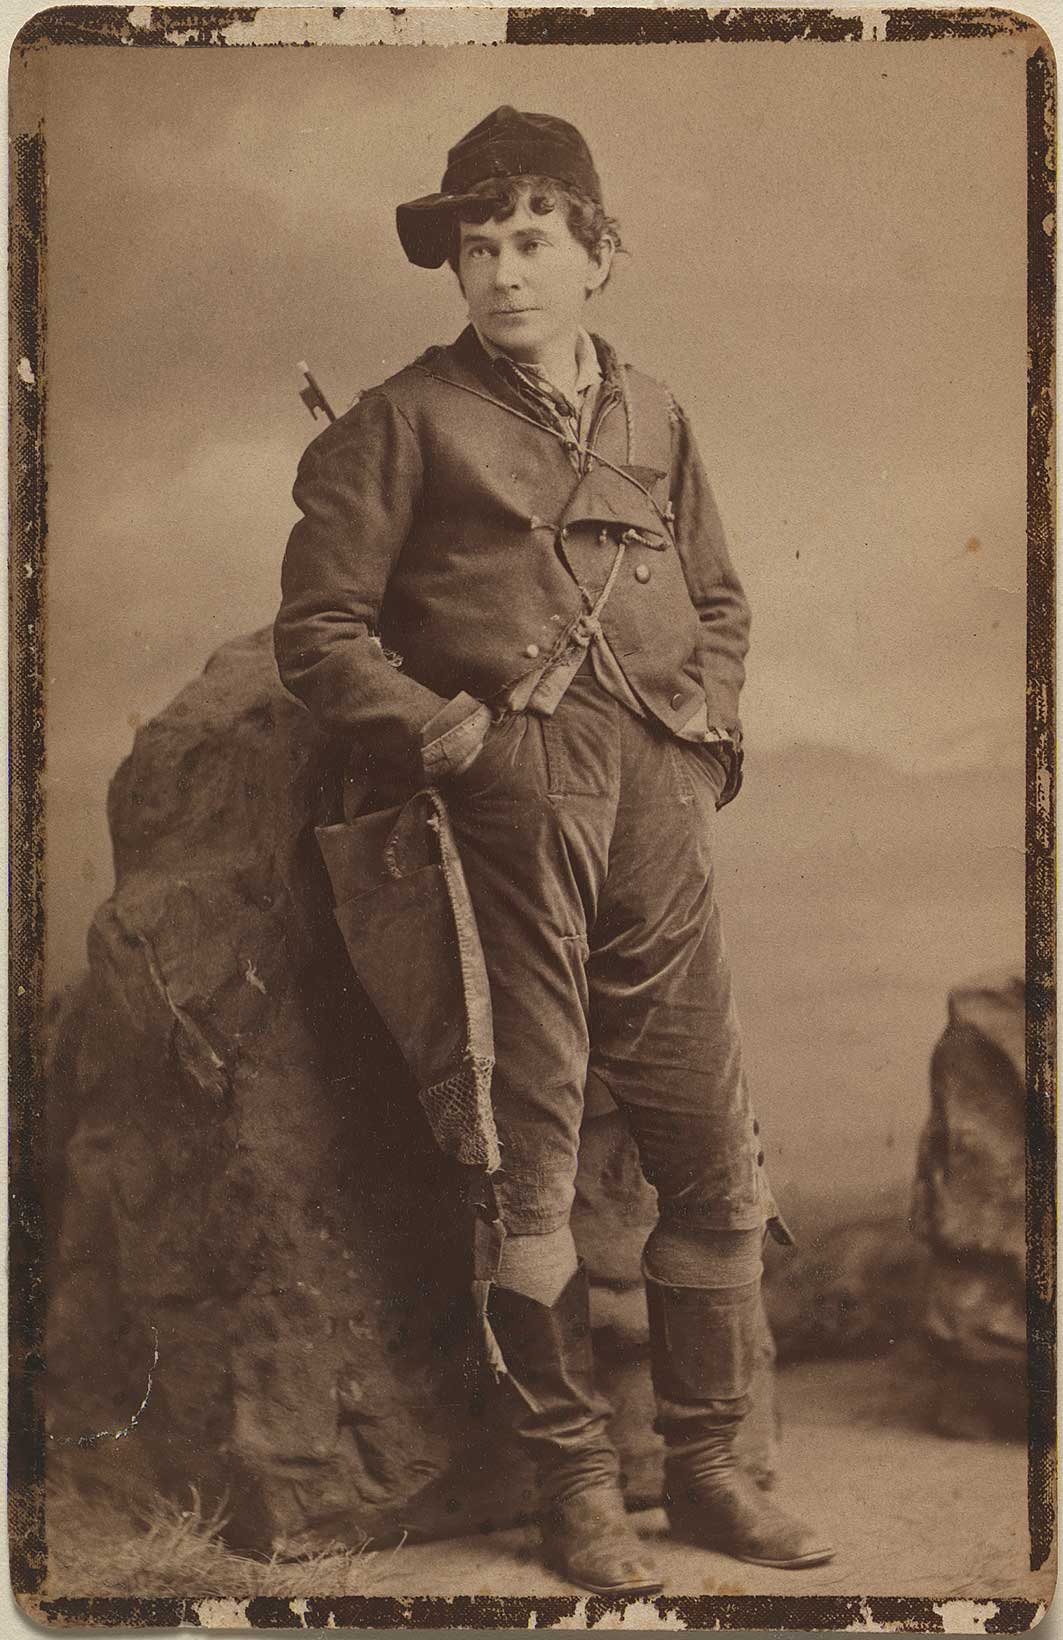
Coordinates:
(853,814)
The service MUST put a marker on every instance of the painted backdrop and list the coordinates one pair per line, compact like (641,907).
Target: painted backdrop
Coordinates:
(827,266)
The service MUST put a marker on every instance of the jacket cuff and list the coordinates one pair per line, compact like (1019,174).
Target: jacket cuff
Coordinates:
(452,737)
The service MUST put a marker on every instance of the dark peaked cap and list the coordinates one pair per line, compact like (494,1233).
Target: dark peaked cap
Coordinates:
(506,144)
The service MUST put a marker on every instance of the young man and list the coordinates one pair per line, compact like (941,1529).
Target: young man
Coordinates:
(525,527)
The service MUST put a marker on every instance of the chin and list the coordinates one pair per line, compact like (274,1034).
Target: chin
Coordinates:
(525,325)
(517,337)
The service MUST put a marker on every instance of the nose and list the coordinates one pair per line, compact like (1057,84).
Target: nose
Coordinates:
(507,270)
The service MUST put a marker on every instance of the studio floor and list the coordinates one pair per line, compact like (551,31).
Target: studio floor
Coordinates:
(908,1513)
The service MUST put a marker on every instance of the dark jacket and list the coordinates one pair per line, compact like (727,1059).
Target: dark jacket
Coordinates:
(445,540)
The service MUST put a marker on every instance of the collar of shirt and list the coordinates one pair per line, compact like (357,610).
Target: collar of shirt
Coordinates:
(588,370)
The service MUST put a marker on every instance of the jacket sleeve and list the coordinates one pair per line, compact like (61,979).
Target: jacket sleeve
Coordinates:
(714,588)
(358,488)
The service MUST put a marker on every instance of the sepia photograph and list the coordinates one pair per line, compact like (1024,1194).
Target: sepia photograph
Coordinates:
(533,926)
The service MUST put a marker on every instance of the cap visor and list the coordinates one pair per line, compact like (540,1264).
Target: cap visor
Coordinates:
(424,227)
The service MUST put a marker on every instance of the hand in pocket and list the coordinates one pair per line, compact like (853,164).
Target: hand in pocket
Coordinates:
(493,762)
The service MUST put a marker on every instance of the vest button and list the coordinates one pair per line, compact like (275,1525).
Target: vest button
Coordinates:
(677,699)
(760,1158)
(642,573)
(532,651)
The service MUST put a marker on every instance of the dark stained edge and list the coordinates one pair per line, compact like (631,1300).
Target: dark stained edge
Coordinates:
(1040,808)
(964,23)
(26,865)
(618,26)
(748,1612)
(112,26)
(625,26)
(205,26)
(606,25)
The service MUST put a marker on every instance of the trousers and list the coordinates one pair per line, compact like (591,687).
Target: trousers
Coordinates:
(587,843)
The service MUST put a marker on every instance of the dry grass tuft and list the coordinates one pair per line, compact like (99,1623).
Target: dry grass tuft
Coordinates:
(169,1550)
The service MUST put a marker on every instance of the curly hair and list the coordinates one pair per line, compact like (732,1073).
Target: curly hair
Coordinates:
(587,221)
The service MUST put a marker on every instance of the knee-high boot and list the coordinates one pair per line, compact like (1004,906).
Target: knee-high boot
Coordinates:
(561,1420)
(703,1348)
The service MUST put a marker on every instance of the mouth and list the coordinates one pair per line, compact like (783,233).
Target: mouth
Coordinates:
(512,313)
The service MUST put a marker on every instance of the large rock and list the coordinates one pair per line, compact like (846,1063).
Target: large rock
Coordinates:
(970,1208)
(251,1192)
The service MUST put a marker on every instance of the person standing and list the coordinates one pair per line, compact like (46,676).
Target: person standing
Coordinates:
(510,586)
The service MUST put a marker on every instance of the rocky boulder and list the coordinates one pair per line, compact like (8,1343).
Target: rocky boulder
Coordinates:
(970,1209)
(260,1273)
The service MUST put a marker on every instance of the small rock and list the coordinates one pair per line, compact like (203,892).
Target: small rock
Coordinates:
(970,1210)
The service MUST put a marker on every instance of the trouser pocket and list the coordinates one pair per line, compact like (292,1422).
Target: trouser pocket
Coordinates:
(577,761)
(696,772)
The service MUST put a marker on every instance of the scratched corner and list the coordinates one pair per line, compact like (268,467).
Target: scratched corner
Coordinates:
(132,25)
(32,1607)
(1032,33)
(71,25)
(960,23)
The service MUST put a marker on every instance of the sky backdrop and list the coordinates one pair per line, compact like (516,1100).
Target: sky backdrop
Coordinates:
(827,265)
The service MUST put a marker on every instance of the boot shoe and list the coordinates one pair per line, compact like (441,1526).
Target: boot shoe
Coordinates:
(704,1344)
(723,1509)
(562,1422)
(587,1539)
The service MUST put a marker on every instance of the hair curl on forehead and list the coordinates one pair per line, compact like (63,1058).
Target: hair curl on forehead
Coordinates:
(498,199)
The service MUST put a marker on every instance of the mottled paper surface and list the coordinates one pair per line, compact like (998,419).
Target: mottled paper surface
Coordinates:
(837,267)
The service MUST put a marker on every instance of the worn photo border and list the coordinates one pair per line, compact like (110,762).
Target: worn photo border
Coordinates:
(199,27)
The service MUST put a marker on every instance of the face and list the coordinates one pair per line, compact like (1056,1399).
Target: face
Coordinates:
(526,280)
